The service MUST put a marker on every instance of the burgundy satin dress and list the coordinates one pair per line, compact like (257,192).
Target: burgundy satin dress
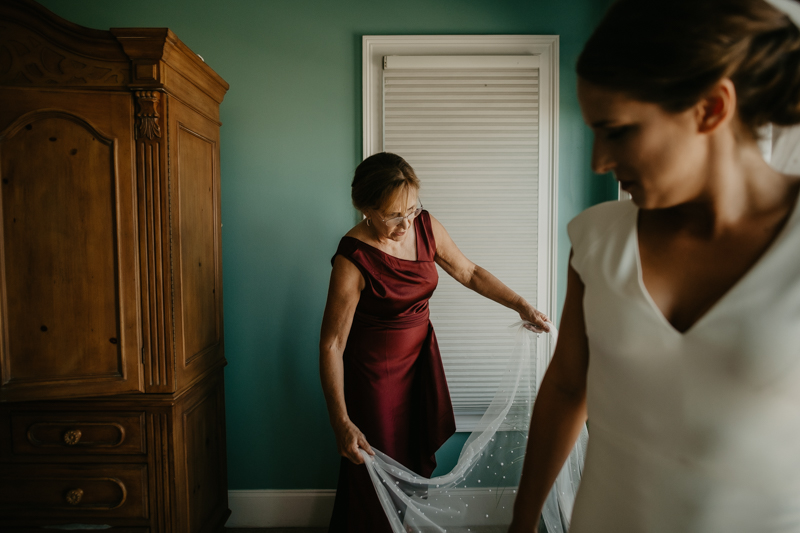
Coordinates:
(394,382)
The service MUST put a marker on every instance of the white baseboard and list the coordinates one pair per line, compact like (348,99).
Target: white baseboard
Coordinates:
(312,508)
(280,508)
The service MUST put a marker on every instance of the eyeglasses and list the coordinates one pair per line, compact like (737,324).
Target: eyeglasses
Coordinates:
(395,221)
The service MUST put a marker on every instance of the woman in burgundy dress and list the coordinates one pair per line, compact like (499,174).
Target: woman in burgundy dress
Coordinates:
(379,361)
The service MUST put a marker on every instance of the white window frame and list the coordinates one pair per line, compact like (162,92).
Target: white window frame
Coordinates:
(546,48)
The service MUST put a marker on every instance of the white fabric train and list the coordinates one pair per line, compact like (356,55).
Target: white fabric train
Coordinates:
(477,496)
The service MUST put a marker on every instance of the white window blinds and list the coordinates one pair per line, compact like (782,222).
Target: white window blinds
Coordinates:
(469,125)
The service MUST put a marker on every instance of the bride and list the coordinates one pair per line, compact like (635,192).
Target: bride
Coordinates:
(680,333)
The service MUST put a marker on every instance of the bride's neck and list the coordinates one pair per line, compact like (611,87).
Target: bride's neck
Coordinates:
(737,184)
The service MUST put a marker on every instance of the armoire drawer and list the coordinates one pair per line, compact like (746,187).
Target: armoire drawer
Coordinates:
(72,492)
(78,433)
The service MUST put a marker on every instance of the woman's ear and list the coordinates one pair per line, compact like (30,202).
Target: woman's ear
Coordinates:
(717,107)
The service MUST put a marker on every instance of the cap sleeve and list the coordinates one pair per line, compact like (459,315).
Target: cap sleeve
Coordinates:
(590,229)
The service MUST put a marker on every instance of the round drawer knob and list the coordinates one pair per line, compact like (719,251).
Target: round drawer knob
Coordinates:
(74,496)
(72,437)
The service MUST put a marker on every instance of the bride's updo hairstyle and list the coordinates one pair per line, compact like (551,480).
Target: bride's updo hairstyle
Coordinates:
(670,52)
(378,177)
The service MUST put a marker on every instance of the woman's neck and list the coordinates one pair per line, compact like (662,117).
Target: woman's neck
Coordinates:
(737,185)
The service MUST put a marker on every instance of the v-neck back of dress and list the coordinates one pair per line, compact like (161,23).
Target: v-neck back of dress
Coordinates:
(694,432)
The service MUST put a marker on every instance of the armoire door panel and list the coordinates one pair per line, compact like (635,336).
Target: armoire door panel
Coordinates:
(200,419)
(196,241)
(204,445)
(59,252)
(196,176)
(67,297)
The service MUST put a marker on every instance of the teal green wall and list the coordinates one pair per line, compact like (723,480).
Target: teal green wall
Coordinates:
(291,138)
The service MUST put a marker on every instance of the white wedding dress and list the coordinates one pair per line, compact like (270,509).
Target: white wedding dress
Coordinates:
(696,431)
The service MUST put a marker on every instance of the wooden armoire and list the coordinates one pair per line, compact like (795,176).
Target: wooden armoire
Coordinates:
(112,408)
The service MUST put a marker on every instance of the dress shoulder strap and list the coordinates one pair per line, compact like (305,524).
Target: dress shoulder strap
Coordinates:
(358,253)
(426,244)
(347,245)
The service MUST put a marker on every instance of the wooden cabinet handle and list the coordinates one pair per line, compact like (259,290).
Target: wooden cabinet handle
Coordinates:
(74,496)
(72,437)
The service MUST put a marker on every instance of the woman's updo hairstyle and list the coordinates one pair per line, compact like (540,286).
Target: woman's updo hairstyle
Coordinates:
(671,52)
(378,177)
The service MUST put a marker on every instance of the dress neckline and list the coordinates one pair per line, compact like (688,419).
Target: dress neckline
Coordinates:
(416,243)
(749,273)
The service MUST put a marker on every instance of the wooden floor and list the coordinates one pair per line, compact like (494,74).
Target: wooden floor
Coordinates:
(278,530)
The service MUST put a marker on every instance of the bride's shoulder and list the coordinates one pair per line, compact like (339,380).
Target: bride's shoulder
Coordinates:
(601,216)
(601,225)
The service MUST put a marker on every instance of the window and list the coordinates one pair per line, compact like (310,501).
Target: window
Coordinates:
(477,118)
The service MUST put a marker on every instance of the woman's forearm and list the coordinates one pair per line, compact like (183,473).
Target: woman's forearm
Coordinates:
(557,420)
(331,370)
(486,284)
(349,439)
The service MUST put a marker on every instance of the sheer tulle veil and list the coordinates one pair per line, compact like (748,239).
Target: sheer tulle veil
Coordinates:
(477,496)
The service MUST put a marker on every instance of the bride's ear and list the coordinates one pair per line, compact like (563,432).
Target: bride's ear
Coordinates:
(717,107)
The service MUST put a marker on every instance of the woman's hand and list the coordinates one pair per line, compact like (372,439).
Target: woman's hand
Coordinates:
(349,439)
(538,320)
